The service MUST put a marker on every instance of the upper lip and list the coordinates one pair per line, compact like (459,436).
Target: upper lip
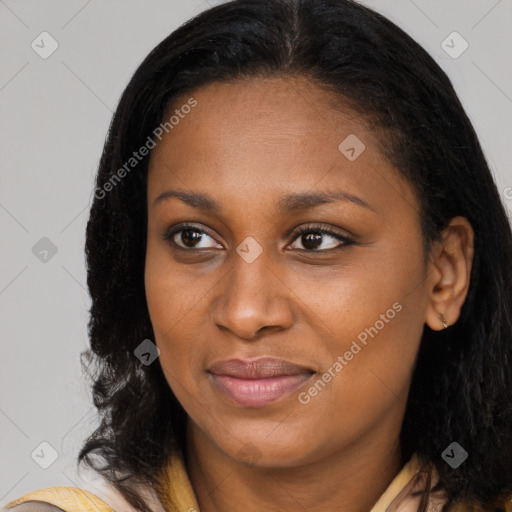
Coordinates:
(265,367)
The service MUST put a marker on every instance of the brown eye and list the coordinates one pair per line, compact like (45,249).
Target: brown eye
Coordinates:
(190,237)
(312,239)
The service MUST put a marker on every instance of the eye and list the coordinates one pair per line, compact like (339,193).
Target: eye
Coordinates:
(190,237)
(312,238)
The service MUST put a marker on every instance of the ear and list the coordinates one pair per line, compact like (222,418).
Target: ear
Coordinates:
(449,273)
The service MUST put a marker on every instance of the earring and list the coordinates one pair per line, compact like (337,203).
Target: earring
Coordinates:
(443,319)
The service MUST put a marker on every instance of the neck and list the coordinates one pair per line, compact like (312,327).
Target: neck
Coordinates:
(349,480)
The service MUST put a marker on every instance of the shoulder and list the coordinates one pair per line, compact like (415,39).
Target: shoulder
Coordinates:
(98,497)
(58,499)
(35,506)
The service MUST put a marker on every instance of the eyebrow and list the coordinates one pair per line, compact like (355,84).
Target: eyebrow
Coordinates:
(285,205)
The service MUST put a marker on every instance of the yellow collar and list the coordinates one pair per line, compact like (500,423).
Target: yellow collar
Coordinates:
(174,492)
(177,495)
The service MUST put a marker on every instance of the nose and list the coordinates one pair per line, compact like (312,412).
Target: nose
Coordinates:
(253,299)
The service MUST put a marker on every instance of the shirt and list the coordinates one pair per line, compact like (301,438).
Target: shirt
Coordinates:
(174,493)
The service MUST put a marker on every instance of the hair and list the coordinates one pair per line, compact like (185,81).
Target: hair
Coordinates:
(462,381)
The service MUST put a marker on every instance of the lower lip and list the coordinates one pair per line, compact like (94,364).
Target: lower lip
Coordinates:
(259,392)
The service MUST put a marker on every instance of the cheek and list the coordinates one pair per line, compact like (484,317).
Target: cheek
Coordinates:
(380,322)
(365,379)
(177,299)
(372,315)
(170,303)
(344,301)
(172,293)
(176,336)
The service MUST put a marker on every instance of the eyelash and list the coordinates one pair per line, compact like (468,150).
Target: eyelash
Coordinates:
(312,228)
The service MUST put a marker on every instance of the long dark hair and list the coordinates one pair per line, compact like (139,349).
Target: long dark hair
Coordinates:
(462,383)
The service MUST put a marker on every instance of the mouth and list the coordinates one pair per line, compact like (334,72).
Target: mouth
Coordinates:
(260,382)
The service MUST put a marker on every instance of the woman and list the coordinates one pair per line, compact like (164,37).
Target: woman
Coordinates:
(300,272)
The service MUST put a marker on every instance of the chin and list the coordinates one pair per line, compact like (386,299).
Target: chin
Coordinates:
(278,451)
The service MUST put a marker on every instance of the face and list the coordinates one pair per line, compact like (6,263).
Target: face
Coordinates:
(285,274)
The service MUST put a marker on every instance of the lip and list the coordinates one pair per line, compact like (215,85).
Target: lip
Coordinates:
(259,382)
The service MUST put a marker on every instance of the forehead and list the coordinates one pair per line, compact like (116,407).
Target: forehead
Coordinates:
(264,135)
(266,110)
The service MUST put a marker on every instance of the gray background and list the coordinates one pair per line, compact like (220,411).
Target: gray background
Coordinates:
(54,117)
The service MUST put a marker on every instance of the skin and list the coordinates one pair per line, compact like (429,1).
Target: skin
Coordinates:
(245,145)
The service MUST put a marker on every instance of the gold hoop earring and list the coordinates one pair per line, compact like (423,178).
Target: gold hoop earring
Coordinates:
(443,319)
